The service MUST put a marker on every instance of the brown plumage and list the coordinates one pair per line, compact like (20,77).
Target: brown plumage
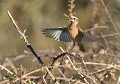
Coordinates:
(70,33)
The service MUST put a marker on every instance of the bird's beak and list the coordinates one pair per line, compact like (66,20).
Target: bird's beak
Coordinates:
(70,19)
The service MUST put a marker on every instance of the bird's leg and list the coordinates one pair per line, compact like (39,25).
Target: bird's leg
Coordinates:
(72,46)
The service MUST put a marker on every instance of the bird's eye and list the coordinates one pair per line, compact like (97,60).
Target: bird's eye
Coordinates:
(74,18)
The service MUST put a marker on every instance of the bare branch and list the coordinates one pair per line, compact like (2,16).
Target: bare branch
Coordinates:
(74,66)
(109,16)
(18,29)
(71,5)
(8,71)
(24,37)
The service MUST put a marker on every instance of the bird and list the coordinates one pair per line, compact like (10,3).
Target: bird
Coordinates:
(71,33)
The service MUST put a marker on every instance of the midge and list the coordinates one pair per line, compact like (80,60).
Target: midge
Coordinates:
(70,33)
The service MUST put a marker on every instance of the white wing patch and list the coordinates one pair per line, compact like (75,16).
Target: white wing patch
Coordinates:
(59,34)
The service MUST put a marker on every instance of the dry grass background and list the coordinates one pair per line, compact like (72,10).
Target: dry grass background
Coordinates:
(35,14)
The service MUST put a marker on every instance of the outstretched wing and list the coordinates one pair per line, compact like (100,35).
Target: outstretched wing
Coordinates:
(59,34)
(89,38)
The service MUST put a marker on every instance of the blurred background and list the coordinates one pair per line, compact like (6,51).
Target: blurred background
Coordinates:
(33,15)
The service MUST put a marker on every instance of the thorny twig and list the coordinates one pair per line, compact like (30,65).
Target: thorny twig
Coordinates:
(109,16)
(71,5)
(23,76)
(24,37)
(54,59)
(81,74)
(37,70)
(29,73)
(29,46)
(68,53)
(8,71)
(82,62)
(53,78)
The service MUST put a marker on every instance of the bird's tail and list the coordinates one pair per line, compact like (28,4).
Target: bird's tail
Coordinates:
(81,48)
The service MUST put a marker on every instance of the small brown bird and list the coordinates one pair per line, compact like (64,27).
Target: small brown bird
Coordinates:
(70,33)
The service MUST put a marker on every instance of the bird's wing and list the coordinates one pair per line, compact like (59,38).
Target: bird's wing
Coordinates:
(59,34)
(89,38)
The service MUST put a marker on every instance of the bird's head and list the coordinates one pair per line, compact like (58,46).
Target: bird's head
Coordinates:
(73,19)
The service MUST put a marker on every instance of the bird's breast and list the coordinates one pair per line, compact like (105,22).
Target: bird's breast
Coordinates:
(76,34)
(73,30)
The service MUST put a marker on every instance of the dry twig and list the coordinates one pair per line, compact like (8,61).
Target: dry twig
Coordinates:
(109,16)
(71,5)
(24,37)
(81,74)
(8,71)
(29,46)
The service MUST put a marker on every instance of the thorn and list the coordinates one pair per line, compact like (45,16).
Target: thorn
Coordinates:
(24,31)
(21,37)
(66,15)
